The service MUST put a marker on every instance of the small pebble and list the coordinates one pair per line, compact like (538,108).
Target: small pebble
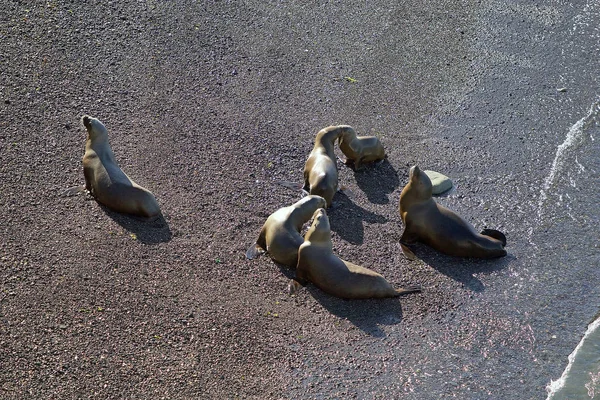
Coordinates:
(440,182)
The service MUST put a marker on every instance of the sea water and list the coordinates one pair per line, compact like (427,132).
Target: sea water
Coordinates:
(581,378)
(581,149)
(573,183)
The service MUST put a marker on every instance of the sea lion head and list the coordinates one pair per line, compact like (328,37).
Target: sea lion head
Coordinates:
(304,209)
(420,184)
(320,230)
(320,220)
(94,127)
(347,133)
(329,134)
(313,201)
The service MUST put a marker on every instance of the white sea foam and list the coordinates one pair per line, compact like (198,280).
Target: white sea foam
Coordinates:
(585,23)
(555,388)
(581,377)
(574,138)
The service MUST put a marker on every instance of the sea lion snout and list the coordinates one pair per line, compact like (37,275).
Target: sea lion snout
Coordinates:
(322,202)
(413,171)
(87,121)
(346,133)
(321,221)
(320,213)
(317,200)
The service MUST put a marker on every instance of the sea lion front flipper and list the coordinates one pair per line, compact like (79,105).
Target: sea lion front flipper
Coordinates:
(406,239)
(495,234)
(408,252)
(290,185)
(410,289)
(254,251)
(347,192)
(295,285)
(73,191)
(358,164)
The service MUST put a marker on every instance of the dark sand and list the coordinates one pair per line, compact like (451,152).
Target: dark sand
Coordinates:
(207,104)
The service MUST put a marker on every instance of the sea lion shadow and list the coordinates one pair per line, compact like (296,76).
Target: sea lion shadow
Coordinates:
(289,272)
(346,219)
(368,315)
(377,181)
(461,269)
(151,231)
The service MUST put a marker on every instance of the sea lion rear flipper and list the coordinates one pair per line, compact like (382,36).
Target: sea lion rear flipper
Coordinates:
(495,234)
(410,289)
(254,251)
(73,191)
(407,251)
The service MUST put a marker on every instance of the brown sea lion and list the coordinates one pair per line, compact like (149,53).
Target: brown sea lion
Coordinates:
(430,223)
(320,170)
(280,235)
(360,149)
(107,182)
(318,264)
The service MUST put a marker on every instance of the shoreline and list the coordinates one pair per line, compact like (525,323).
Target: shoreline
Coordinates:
(579,377)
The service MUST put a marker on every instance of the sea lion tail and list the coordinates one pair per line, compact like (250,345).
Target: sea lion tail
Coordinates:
(495,234)
(409,289)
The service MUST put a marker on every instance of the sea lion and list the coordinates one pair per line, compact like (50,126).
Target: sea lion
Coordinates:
(320,170)
(360,149)
(318,264)
(438,227)
(280,235)
(107,182)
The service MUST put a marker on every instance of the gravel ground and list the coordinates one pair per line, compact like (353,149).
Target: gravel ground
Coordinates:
(207,104)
